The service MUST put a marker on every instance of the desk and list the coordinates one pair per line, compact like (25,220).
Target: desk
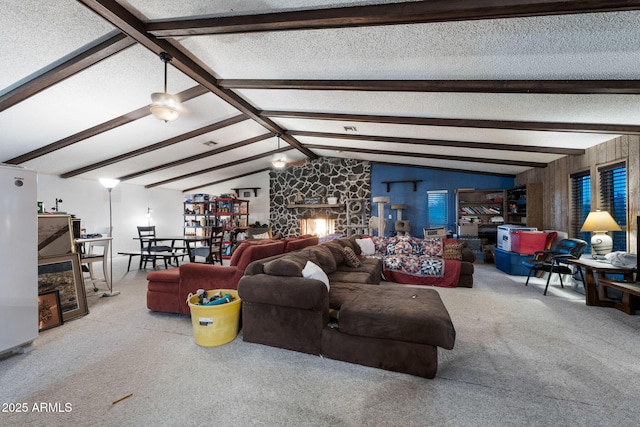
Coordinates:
(87,257)
(596,295)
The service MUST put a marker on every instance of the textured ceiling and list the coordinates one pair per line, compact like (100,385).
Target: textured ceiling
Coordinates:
(93,121)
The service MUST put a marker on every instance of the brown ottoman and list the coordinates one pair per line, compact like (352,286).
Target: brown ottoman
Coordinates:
(393,328)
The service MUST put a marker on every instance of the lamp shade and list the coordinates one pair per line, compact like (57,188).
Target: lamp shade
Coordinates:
(165,106)
(600,221)
(109,182)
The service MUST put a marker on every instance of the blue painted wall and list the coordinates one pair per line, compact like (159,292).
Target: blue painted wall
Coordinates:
(432,179)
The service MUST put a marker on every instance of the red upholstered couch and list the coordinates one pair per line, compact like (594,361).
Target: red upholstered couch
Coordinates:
(167,290)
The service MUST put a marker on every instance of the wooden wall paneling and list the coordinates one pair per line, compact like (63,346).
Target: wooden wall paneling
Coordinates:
(556,184)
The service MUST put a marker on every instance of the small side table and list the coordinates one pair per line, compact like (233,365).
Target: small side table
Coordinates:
(596,294)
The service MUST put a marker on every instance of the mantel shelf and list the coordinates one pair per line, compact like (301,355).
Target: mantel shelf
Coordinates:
(317,205)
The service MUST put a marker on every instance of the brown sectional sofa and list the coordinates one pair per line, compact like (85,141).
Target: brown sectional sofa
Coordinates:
(167,290)
(390,327)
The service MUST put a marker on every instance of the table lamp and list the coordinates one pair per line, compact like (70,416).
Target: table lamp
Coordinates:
(599,222)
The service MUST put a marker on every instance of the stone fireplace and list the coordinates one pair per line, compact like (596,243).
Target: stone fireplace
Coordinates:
(321,226)
(319,179)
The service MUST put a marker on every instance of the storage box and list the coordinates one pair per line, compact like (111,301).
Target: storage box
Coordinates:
(510,262)
(528,242)
(504,235)
(470,229)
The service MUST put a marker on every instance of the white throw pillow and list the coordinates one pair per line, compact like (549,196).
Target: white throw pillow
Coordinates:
(261,236)
(313,271)
(366,246)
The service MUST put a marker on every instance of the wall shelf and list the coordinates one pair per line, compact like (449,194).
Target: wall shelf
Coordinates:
(414,181)
(255,190)
(317,205)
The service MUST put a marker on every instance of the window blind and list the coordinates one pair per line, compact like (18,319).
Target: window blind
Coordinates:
(437,208)
(580,204)
(613,198)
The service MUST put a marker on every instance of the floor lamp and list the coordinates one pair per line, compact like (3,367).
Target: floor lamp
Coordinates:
(109,184)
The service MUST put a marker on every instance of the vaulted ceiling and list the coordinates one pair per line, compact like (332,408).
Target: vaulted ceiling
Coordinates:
(492,87)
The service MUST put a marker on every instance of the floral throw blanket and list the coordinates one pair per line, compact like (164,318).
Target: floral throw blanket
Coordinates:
(410,255)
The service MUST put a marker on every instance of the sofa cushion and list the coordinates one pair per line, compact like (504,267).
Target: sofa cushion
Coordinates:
(336,250)
(399,313)
(313,271)
(288,265)
(322,256)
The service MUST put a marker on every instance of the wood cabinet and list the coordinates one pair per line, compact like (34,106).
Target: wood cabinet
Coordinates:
(524,205)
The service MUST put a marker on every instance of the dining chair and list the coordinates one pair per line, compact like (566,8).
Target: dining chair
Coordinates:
(148,244)
(94,252)
(553,260)
(212,251)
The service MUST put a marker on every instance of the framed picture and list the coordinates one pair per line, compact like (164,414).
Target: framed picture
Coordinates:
(55,235)
(49,310)
(63,273)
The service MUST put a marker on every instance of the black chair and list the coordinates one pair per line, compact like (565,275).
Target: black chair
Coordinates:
(554,260)
(149,246)
(212,251)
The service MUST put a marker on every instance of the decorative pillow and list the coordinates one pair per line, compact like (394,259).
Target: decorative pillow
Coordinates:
(350,257)
(312,271)
(432,247)
(404,237)
(366,246)
(261,236)
(453,251)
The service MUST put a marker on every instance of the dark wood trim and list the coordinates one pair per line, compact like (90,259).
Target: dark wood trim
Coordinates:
(384,14)
(149,148)
(218,167)
(225,180)
(580,87)
(121,18)
(444,143)
(102,127)
(431,156)
(64,68)
(198,156)
(404,165)
(617,129)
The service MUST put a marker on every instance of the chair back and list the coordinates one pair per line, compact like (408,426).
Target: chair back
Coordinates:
(573,247)
(217,239)
(147,231)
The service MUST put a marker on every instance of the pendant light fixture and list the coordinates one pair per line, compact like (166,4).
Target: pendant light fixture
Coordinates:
(279,160)
(165,106)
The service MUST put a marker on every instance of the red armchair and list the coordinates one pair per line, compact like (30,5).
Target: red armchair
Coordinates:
(167,290)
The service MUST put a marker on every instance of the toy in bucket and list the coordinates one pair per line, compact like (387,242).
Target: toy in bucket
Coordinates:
(215,316)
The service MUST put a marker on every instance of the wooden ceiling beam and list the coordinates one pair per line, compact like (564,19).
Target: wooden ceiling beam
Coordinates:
(444,143)
(102,127)
(431,156)
(121,18)
(225,180)
(64,68)
(617,129)
(384,14)
(162,144)
(218,167)
(198,156)
(563,87)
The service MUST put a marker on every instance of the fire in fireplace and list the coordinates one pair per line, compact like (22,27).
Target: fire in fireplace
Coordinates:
(321,226)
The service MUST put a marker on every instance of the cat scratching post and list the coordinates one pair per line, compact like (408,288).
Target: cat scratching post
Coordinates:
(381,200)
(399,208)
(401,225)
